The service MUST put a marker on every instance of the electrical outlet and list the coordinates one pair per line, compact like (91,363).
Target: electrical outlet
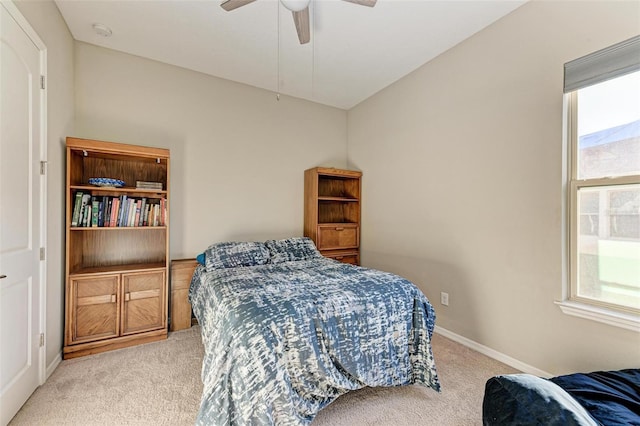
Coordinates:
(444,298)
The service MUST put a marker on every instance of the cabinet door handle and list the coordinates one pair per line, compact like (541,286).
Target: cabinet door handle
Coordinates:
(3,276)
(339,229)
(142,294)
(96,300)
(339,257)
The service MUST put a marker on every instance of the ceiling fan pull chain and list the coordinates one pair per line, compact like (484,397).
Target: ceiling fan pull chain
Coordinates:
(278,82)
(313,51)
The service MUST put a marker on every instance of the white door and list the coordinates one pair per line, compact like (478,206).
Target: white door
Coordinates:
(21,148)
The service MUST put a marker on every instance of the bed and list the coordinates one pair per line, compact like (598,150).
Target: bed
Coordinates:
(287,331)
(586,399)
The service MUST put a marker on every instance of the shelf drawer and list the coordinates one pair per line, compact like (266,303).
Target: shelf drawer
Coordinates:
(344,256)
(338,236)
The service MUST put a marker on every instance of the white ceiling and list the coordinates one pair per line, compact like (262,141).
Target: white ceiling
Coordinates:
(354,52)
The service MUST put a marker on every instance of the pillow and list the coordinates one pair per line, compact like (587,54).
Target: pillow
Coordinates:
(234,254)
(611,397)
(201,259)
(527,400)
(292,249)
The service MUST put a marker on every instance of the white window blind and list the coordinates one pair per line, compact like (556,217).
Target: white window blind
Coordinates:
(611,62)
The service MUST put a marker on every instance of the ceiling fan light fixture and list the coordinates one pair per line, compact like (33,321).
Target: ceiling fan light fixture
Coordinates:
(295,5)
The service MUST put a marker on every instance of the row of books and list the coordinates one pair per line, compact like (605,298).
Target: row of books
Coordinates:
(106,211)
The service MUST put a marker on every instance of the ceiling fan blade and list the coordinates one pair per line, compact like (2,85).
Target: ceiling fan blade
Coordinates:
(301,19)
(234,4)
(369,3)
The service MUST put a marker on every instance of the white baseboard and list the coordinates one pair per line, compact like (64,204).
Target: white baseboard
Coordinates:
(54,364)
(492,353)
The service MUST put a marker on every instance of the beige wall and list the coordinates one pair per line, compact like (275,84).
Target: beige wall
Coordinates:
(462,165)
(49,25)
(237,154)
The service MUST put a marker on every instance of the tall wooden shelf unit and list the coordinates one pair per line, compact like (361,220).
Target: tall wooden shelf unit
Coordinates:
(116,276)
(332,212)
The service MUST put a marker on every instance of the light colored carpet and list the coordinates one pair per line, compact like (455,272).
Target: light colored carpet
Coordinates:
(159,384)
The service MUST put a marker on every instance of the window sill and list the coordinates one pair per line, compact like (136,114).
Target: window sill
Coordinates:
(606,316)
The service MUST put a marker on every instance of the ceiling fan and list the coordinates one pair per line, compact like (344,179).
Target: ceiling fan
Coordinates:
(299,9)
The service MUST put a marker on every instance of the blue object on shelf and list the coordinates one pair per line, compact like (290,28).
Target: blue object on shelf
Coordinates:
(102,181)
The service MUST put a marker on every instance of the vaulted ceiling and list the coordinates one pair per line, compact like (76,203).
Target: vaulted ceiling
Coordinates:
(354,51)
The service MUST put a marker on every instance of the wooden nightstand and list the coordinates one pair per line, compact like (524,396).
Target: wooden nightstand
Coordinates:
(181,273)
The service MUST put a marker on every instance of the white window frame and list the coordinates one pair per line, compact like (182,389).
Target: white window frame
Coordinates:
(572,303)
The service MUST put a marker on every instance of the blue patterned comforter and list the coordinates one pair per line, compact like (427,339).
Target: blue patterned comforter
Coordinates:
(284,340)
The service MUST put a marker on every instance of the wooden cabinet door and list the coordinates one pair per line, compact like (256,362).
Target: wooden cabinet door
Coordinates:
(95,308)
(144,301)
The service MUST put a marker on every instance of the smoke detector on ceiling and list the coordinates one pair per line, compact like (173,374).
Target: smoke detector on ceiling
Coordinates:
(102,30)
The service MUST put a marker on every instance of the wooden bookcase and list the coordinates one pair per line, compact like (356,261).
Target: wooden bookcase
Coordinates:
(116,288)
(332,212)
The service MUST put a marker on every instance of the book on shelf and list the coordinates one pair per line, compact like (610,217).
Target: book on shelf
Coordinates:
(106,210)
(145,216)
(136,220)
(124,205)
(84,210)
(100,214)
(121,214)
(140,184)
(154,216)
(115,206)
(77,205)
(94,212)
(131,211)
(143,207)
(163,211)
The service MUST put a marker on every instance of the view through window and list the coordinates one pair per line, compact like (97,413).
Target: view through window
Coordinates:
(605,193)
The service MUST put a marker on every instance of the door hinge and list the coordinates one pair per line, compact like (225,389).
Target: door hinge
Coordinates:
(42,81)
(41,339)
(43,167)
(42,253)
